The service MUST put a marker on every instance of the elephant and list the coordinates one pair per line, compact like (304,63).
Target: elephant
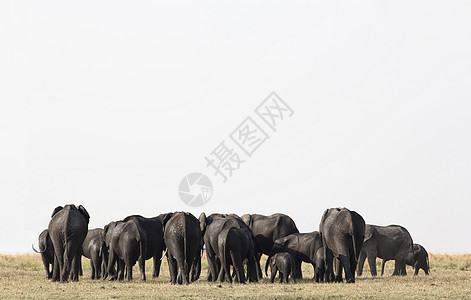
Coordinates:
(236,245)
(108,234)
(302,246)
(319,271)
(152,231)
(205,221)
(47,251)
(417,259)
(386,242)
(342,233)
(68,228)
(211,227)
(94,248)
(266,230)
(153,228)
(182,237)
(128,245)
(283,262)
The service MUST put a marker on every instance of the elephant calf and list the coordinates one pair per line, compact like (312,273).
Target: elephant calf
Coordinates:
(418,260)
(283,262)
(94,249)
(47,251)
(320,265)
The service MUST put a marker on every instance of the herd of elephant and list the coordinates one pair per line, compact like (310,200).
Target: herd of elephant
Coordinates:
(341,245)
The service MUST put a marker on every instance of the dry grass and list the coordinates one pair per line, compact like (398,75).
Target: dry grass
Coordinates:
(24,277)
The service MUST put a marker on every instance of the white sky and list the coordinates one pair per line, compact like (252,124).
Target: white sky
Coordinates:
(109,104)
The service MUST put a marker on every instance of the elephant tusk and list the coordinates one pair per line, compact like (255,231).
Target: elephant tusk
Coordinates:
(165,252)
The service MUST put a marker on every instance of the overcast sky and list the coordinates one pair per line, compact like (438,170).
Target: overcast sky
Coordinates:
(110,104)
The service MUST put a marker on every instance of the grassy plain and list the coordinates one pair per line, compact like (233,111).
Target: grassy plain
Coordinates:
(24,277)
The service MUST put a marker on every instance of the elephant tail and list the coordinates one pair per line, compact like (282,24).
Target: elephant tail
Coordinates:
(293,268)
(40,251)
(224,256)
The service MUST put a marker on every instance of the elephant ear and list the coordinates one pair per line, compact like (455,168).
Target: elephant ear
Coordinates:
(84,212)
(369,232)
(56,210)
(165,218)
(202,219)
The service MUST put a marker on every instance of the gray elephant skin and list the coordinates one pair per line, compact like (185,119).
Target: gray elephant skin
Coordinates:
(143,237)
(342,234)
(386,242)
(68,228)
(236,245)
(46,249)
(95,250)
(182,237)
(302,246)
(282,262)
(266,230)
(211,228)
(418,260)
(319,272)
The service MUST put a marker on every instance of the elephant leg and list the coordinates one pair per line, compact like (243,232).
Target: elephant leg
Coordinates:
(238,266)
(56,269)
(361,263)
(299,273)
(128,270)
(346,264)
(121,267)
(98,263)
(338,268)
(92,269)
(157,263)
(329,265)
(416,269)
(382,266)
(257,262)
(65,271)
(372,263)
(172,266)
(403,270)
(74,267)
(281,277)
(274,269)
(142,267)
(46,265)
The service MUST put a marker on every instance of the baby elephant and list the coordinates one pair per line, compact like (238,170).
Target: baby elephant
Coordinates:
(320,265)
(283,262)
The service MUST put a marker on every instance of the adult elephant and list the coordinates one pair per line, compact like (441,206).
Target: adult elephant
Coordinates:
(150,229)
(236,245)
(128,245)
(95,250)
(205,221)
(211,228)
(302,246)
(417,259)
(153,229)
(182,237)
(108,234)
(385,242)
(68,228)
(266,230)
(47,252)
(342,234)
